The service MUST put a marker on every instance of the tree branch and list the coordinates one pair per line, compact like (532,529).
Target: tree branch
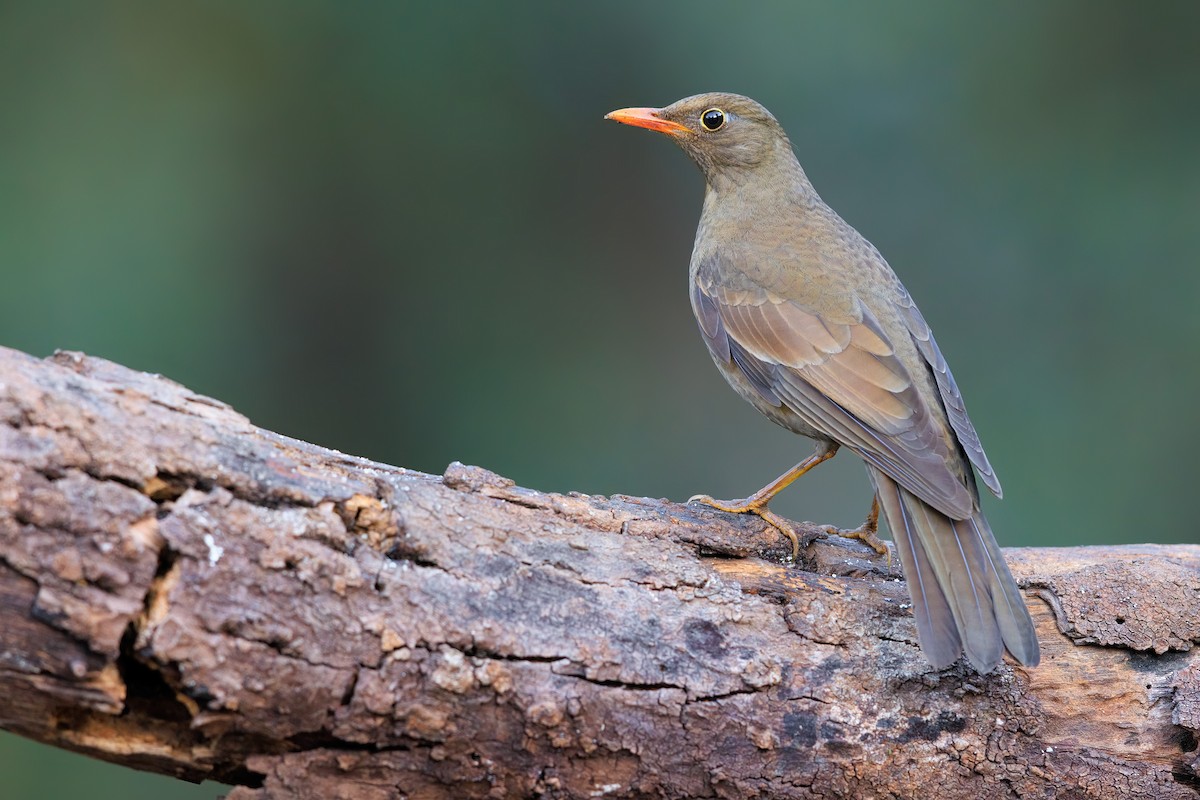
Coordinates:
(183,592)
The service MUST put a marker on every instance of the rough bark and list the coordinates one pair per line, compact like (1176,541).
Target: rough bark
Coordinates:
(183,592)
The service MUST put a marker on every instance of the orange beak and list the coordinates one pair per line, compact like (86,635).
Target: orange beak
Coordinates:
(647,118)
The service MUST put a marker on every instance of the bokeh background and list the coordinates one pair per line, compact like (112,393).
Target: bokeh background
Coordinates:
(402,230)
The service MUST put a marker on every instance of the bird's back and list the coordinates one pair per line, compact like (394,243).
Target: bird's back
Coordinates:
(796,248)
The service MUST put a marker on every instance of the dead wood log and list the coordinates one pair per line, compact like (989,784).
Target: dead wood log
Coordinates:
(183,592)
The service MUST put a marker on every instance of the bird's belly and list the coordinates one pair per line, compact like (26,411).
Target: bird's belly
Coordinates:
(781,415)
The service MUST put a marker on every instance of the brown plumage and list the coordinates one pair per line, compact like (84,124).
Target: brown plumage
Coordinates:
(808,323)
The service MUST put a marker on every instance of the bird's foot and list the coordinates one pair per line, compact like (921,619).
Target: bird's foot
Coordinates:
(865,534)
(749,505)
(757,507)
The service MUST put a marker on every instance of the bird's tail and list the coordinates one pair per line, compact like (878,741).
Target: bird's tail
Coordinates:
(964,597)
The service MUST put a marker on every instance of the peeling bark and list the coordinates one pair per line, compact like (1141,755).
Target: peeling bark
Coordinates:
(183,592)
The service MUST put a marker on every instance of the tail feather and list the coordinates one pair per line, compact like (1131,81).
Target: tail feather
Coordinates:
(964,597)
(959,565)
(935,622)
(1012,616)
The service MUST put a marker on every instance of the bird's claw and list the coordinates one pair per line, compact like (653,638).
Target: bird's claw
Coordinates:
(730,506)
(752,507)
(864,534)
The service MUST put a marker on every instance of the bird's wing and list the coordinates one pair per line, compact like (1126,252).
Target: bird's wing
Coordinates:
(956,410)
(842,378)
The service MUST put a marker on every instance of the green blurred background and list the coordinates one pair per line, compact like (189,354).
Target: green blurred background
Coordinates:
(403,231)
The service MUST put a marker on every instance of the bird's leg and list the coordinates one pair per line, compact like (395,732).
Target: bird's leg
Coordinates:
(867,532)
(757,502)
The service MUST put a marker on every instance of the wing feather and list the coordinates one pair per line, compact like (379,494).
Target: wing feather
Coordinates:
(952,399)
(839,376)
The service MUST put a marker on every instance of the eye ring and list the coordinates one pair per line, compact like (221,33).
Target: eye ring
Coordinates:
(712,120)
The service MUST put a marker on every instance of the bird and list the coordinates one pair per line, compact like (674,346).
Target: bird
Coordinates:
(808,322)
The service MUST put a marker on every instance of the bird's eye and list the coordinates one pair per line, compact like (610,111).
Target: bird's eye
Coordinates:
(713,119)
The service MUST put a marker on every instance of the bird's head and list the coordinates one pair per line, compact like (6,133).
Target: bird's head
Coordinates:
(722,132)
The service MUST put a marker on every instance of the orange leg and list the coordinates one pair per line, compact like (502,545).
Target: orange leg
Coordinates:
(867,533)
(757,502)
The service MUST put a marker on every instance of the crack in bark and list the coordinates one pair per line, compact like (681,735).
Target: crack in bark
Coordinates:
(713,698)
(626,685)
